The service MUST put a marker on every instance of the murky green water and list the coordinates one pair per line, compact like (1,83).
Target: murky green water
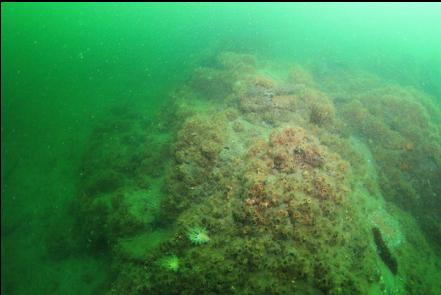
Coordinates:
(221,148)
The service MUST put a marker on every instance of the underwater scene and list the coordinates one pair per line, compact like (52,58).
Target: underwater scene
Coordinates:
(221,148)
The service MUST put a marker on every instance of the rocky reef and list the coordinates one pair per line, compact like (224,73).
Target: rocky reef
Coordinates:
(268,181)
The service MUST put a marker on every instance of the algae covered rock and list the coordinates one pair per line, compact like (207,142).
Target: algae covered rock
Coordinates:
(276,179)
(290,222)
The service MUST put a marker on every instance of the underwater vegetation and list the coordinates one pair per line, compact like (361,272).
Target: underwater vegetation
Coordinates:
(269,178)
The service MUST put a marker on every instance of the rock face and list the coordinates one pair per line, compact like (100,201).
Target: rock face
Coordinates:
(262,185)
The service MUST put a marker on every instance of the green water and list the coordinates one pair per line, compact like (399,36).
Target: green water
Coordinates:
(131,160)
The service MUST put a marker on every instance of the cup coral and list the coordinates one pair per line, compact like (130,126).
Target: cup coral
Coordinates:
(198,235)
